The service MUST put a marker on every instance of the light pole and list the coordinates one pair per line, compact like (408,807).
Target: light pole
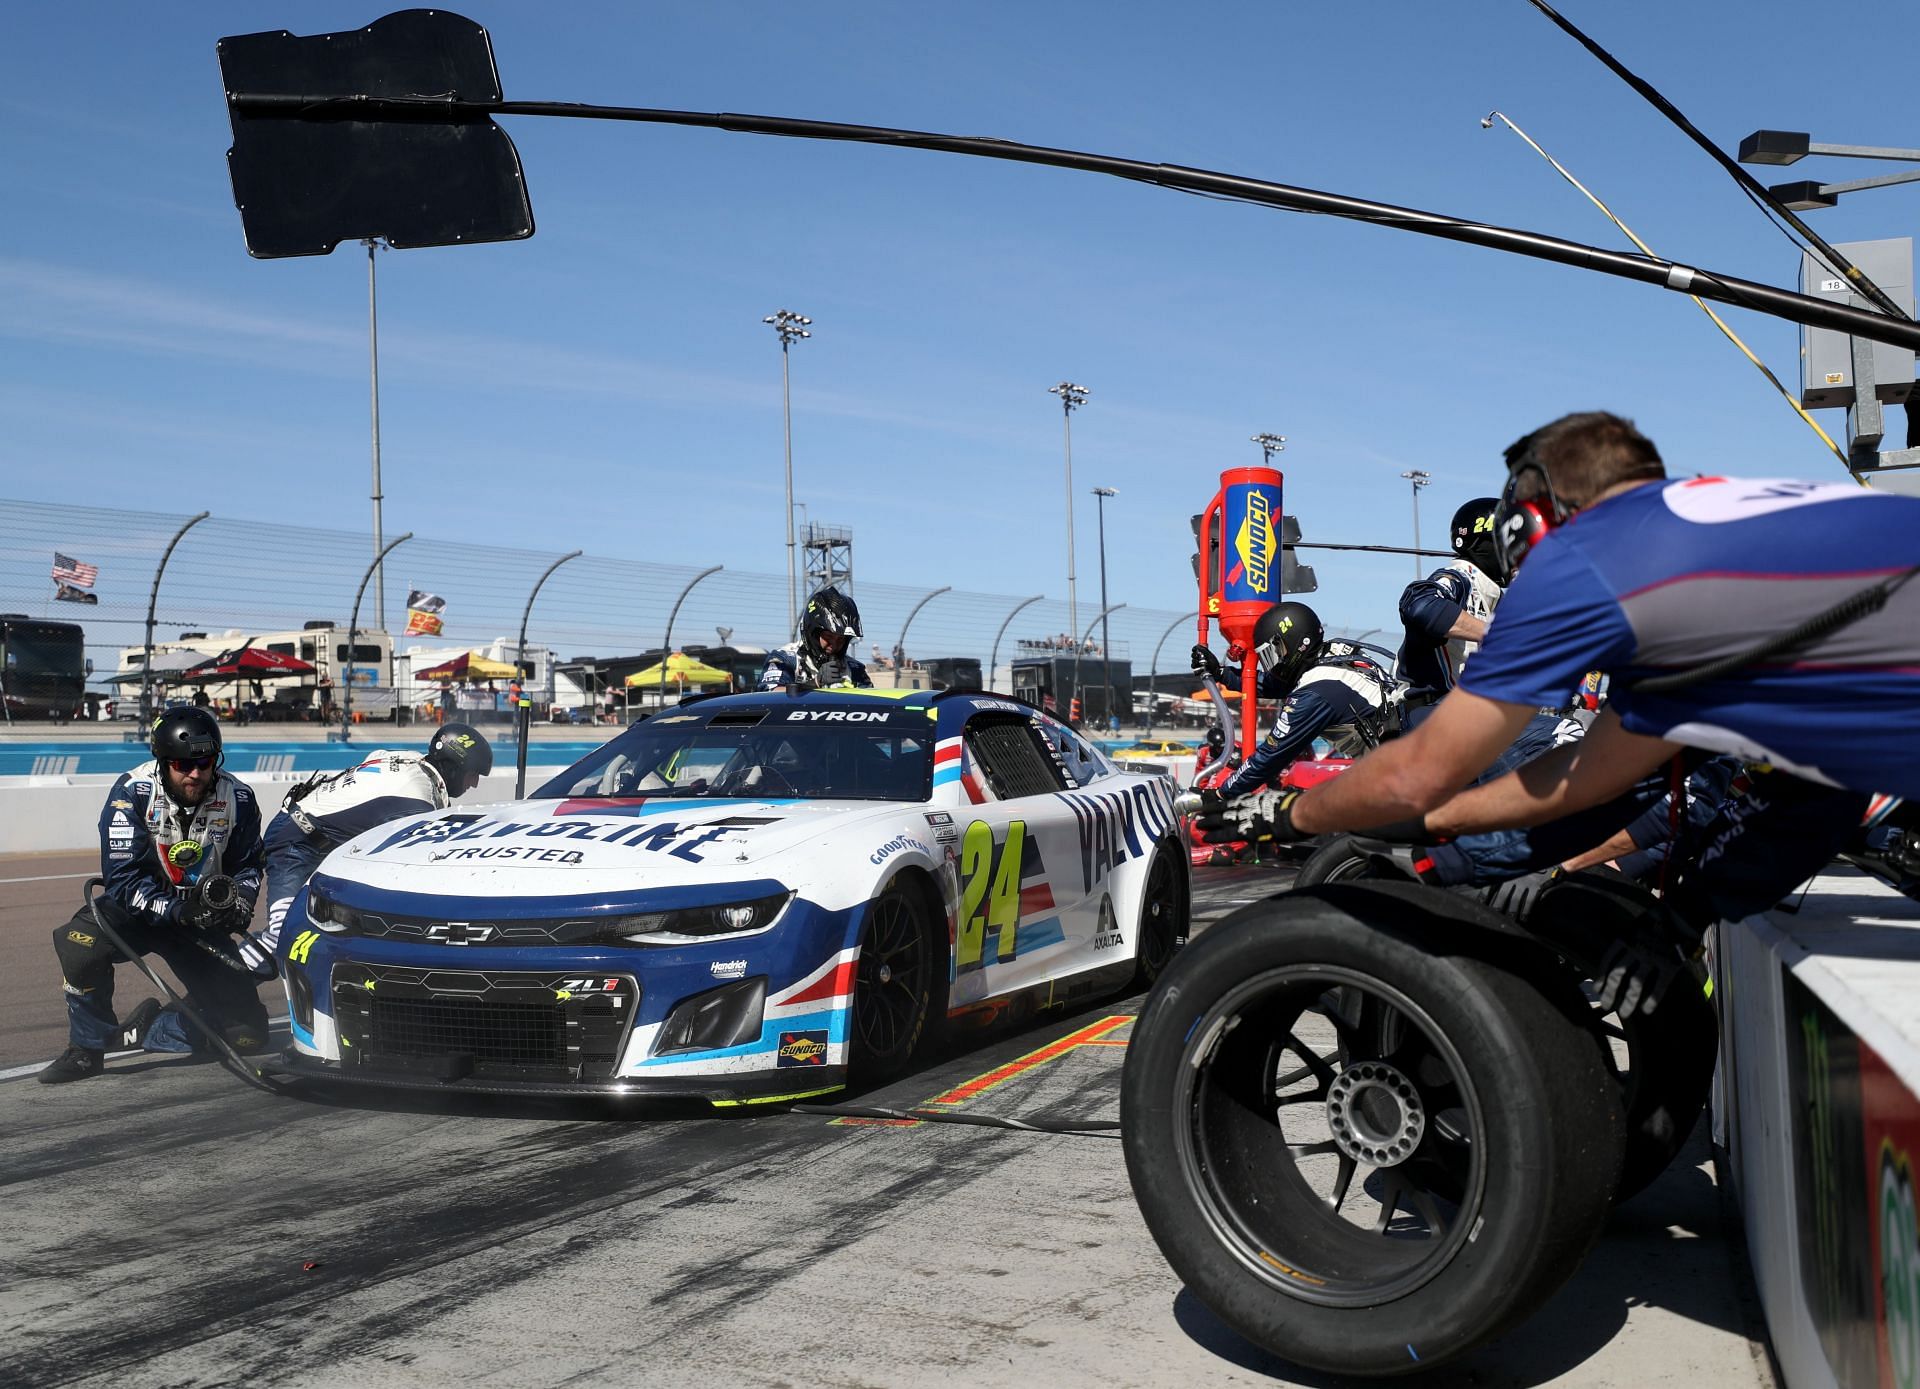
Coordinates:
(791,327)
(1419,479)
(1106,638)
(1270,444)
(374,244)
(1071,396)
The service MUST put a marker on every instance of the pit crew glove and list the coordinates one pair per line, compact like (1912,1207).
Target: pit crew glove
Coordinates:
(1206,663)
(1283,827)
(1517,896)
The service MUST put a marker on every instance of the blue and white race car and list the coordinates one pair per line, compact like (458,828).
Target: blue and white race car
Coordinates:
(747,898)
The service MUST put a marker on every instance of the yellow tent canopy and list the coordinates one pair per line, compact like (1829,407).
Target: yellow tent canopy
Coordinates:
(679,669)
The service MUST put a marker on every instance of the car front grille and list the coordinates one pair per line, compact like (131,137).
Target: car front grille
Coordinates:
(490,1024)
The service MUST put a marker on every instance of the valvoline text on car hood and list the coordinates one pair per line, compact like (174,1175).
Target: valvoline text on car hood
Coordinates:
(655,840)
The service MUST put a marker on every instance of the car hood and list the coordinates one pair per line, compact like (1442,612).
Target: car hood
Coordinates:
(600,845)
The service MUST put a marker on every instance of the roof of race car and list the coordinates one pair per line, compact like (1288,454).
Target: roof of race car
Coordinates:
(903,705)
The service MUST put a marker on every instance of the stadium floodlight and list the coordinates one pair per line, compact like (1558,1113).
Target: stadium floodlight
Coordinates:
(792,327)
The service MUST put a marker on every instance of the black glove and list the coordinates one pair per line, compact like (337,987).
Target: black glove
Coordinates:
(1206,663)
(1635,975)
(1283,827)
(1518,896)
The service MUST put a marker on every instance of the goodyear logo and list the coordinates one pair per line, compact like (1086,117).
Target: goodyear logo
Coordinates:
(1255,542)
(803,1048)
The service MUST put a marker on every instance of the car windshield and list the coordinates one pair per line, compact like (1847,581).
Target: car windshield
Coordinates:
(811,761)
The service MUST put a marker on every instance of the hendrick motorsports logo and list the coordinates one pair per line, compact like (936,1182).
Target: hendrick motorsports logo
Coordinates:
(803,1048)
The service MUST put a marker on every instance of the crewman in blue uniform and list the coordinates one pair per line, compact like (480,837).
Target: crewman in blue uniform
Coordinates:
(1771,620)
(170,827)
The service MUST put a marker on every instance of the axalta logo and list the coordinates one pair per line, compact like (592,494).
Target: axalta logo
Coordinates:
(837,716)
(1254,542)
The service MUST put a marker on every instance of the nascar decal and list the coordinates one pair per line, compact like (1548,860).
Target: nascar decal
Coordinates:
(1004,893)
(1118,825)
(464,830)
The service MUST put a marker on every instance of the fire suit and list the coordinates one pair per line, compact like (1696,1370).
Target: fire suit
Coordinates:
(1330,696)
(789,667)
(152,853)
(325,812)
(1430,661)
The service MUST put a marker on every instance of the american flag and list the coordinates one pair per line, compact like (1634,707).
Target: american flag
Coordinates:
(68,570)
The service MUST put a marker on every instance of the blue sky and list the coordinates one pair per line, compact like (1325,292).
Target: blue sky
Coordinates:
(608,384)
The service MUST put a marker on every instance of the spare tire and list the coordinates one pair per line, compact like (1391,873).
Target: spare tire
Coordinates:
(1384,1027)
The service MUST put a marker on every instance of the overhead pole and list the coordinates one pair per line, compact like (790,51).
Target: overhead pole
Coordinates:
(1651,270)
(374,244)
(1071,397)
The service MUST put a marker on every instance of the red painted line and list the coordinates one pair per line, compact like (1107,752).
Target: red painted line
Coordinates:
(1053,1051)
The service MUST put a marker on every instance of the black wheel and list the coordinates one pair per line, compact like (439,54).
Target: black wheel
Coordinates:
(1663,1060)
(1336,861)
(1364,1154)
(1164,915)
(894,985)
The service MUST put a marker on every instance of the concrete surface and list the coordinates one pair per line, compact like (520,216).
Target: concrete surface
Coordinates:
(161,1221)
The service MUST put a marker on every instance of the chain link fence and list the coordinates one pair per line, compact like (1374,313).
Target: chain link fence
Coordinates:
(229,575)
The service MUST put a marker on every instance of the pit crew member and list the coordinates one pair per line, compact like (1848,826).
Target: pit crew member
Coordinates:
(1324,688)
(324,812)
(1776,621)
(171,824)
(1445,615)
(822,656)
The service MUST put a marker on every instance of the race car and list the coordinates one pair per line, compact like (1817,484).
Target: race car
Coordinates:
(746,899)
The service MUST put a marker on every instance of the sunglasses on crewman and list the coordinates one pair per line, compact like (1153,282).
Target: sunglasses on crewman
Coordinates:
(190,764)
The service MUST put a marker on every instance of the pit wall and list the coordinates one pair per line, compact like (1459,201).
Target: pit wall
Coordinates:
(1816,1109)
(61,814)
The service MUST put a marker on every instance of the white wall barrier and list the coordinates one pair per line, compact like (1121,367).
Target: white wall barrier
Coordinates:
(1817,1108)
(51,814)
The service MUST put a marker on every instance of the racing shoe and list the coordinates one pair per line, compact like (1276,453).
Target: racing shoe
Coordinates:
(75,1063)
(133,1032)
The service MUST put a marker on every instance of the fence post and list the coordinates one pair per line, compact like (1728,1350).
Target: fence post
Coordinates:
(353,638)
(153,597)
(993,661)
(527,612)
(1153,675)
(666,646)
(900,647)
(1080,646)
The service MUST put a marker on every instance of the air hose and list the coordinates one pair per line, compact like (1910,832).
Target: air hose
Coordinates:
(229,1058)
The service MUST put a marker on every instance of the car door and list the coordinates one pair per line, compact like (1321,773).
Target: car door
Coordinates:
(1022,917)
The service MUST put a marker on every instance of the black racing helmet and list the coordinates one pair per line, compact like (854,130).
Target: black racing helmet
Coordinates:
(830,625)
(1476,537)
(186,732)
(461,754)
(1288,638)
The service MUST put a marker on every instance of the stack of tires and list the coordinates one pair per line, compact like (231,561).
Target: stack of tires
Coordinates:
(1373,1125)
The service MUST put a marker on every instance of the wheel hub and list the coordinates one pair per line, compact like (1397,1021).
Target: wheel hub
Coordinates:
(1376,1114)
(886,974)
